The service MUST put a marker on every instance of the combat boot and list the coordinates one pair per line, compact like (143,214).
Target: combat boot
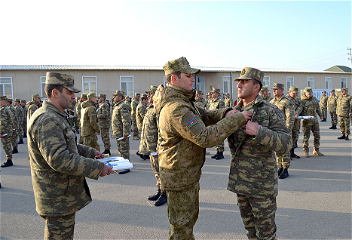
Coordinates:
(20,141)
(214,156)
(293,155)
(342,137)
(279,171)
(107,152)
(219,156)
(8,163)
(334,126)
(317,153)
(25,135)
(295,145)
(155,196)
(161,200)
(347,138)
(284,174)
(15,150)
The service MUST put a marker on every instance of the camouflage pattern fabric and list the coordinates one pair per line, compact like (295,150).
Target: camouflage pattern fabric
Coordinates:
(89,126)
(32,107)
(19,111)
(296,102)
(14,136)
(344,109)
(25,111)
(134,105)
(6,128)
(128,104)
(154,161)
(91,141)
(149,133)
(105,137)
(140,113)
(78,113)
(61,227)
(58,165)
(266,98)
(331,107)
(104,123)
(200,102)
(228,102)
(323,105)
(217,104)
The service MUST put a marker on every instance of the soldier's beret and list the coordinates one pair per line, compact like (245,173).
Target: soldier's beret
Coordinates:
(251,73)
(278,86)
(91,95)
(179,65)
(62,79)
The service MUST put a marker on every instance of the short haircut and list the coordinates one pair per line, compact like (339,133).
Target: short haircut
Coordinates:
(144,98)
(257,82)
(168,77)
(50,87)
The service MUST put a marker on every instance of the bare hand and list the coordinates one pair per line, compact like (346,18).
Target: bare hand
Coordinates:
(251,128)
(99,155)
(247,115)
(229,113)
(125,137)
(106,171)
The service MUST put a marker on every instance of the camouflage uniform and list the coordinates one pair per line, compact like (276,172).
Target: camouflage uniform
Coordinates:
(310,107)
(200,101)
(344,110)
(14,136)
(228,102)
(295,102)
(134,105)
(89,126)
(20,115)
(104,122)
(331,107)
(323,106)
(32,106)
(6,128)
(140,112)
(121,126)
(25,111)
(128,104)
(185,132)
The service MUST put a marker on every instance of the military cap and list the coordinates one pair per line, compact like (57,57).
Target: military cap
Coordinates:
(137,94)
(17,100)
(3,98)
(152,89)
(277,86)
(120,93)
(83,95)
(101,95)
(265,88)
(215,90)
(35,96)
(179,65)
(251,73)
(344,89)
(293,89)
(227,94)
(323,92)
(144,95)
(199,92)
(62,79)
(308,90)
(23,101)
(332,90)
(91,95)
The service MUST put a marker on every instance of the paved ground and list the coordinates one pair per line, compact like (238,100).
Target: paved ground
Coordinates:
(313,203)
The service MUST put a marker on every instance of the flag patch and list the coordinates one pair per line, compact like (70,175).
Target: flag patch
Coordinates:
(191,123)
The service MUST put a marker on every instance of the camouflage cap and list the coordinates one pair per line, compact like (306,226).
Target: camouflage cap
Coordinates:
(251,73)
(144,95)
(308,90)
(35,96)
(23,101)
(137,94)
(152,89)
(91,95)
(344,89)
(199,92)
(120,93)
(293,89)
(323,92)
(101,95)
(216,90)
(277,86)
(17,100)
(265,88)
(83,95)
(332,90)
(179,65)
(3,98)
(62,79)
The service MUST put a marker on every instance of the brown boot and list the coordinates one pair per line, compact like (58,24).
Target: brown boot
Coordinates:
(317,153)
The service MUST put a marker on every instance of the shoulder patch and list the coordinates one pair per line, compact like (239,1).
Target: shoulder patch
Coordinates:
(192,123)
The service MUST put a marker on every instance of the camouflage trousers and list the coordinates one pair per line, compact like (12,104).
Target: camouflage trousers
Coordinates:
(123,146)
(135,128)
(258,216)
(91,141)
(220,147)
(295,131)
(333,116)
(344,125)
(283,160)
(14,137)
(182,210)
(6,145)
(76,121)
(324,112)
(307,126)
(20,131)
(61,227)
(154,161)
(105,138)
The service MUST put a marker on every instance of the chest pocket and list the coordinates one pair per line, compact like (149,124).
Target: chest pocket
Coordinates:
(70,137)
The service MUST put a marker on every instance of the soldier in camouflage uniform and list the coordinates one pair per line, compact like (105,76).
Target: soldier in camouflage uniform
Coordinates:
(323,105)
(185,132)
(79,112)
(25,111)
(58,165)
(253,173)
(14,136)
(33,105)
(344,110)
(199,99)
(104,122)
(207,100)
(310,107)
(264,93)
(134,104)
(331,107)
(140,111)
(228,101)
(148,146)
(121,125)
(287,109)
(6,130)
(128,103)
(295,102)
(19,111)
(89,126)
(217,103)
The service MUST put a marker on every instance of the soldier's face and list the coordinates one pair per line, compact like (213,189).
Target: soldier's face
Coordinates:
(37,100)
(324,94)
(245,88)
(344,92)
(185,81)
(137,97)
(278,92)
(332,93)
(66,98)
(292,94)
(215,95)
(23,104)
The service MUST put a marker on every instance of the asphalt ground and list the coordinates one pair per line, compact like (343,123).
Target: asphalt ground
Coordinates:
(314,202)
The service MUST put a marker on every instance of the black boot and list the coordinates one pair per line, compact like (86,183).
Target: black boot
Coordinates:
(107,152)
(342,137)
(284,174)
(24,135)
(144,157)
(293,155)
(347,138)
(279,171)
(8,163)
(334,127)
(219,156)
(217,153)
(295,145)
(155,196)
(15,150)
(20,141)
(161,200)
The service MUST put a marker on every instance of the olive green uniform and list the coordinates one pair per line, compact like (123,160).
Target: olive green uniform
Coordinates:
(6,128)
(331,107)
(104,123)
(323,106)
(217,104)
(14,136)
(20,116)
(344,109)
(89,126)
(134,105)
(140,112)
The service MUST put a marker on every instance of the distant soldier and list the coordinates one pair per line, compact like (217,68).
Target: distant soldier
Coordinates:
(134,104)
(20,116)
(89,126)
(287,108)
(76,117)
(25,111)
(323,105)
(217,103)
(128,103)
(331,107)
(79,112)
(6,130)
(344,110)
(296,102)
(140,111)
(104,122)
(310,107)
(14,136)
(228,101)
(208,98)
(199,99)
(121,125)
(33,105)
(264,93)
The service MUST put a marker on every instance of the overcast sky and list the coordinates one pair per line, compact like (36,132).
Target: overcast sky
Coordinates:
(303,35)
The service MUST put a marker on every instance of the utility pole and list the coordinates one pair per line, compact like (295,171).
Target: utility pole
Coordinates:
(350,53)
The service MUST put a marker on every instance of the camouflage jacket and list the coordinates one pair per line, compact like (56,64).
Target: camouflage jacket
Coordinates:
(309,107)
(121,121)
(185,132)
(216,104)
(58,165)
(103,115)
(149,133)
(286,106)
(89,126)
(78,110)
(344,105)
(266,98)
(5,120)
(134,105)
(140,113)
(200,102)
(253,169)
(323,101)
(296,102)
(128,104)
(25,111)
(332,103)
(228,102)
(32,107)
(14,116)
(20,114)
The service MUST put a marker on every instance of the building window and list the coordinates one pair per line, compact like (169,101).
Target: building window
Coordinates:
(343,82)
(126,85)
(226,84)
(327,82)
(89,84)
(310,82)
(200,84)
(42,86)
(290,81)
(266,81)
(6,87)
